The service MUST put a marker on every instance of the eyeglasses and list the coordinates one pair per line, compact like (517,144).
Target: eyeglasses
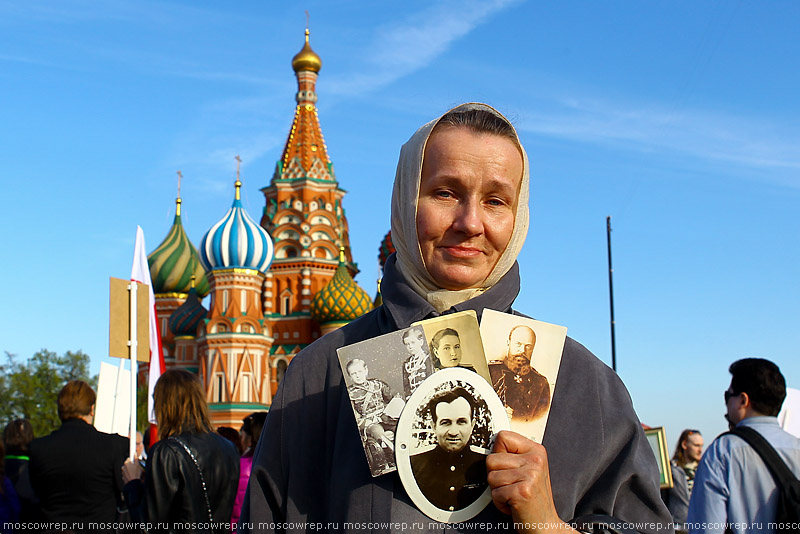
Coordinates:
(729,394)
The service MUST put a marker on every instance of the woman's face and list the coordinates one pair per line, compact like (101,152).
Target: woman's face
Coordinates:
(449,351)
(467,199)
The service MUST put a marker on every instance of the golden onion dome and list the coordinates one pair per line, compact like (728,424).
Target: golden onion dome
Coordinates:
(306,59)
(341,300)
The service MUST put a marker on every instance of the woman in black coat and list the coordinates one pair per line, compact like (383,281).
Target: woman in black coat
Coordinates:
(191,475)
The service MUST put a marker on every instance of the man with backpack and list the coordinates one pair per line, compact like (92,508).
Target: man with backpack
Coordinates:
(734,489)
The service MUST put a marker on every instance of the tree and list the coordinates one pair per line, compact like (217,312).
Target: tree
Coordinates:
(141,407)
(29,390)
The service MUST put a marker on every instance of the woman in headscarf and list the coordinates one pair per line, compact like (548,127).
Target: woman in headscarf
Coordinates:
(459,219)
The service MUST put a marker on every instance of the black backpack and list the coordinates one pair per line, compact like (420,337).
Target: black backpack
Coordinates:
(788,514)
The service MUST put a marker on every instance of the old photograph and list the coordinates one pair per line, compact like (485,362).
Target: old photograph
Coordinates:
(524,356)
(443,437)
(454,340)
(380,373)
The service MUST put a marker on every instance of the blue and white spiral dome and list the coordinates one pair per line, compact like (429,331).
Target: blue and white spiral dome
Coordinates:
(236,241)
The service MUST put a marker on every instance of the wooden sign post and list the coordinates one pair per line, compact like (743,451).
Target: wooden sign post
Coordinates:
(129,332)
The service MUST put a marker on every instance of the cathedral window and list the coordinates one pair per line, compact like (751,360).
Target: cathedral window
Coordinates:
(247,329)
(288,219)
(219,328)
(286,304)
(243,302)
(224,301)
(219,388)
(280,370)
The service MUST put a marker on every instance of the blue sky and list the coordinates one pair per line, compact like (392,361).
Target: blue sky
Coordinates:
(679,119)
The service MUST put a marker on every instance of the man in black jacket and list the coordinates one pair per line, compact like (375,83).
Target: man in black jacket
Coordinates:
(75,471)
(451,475)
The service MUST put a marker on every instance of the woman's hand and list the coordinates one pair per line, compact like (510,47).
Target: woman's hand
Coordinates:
(519,476)
(131,471)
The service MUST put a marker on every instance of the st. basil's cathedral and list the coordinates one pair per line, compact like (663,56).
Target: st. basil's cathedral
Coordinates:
(274,286)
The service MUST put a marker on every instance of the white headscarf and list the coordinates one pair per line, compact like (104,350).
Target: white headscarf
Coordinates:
(405,197)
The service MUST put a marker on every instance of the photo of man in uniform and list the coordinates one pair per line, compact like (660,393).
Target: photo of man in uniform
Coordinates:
(451,475)
(524,391)
(370,398)
(418,366)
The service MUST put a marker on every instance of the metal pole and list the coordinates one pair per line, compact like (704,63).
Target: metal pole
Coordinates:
(134,347)
(611,296)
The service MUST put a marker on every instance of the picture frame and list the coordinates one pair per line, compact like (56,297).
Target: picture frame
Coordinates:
(426,482)
(657,438)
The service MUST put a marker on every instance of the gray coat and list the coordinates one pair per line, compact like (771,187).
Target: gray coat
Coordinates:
(310,466)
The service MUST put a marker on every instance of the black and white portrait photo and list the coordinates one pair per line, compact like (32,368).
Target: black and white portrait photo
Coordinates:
(418,364)
(376,377)
(443,438)
(454,340)
(524,356)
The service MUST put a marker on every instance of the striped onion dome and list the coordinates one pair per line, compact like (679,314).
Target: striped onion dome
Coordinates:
(185,320)
(341,300)
(236,241)
(386,249)
(175,261)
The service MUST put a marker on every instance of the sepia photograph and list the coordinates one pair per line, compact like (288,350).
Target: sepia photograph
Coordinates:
(523,356)
(454,340)
(443,438)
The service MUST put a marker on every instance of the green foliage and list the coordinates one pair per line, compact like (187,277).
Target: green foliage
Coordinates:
(29,390)
(141,407)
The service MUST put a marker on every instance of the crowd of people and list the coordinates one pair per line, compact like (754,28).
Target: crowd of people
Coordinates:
(194,478)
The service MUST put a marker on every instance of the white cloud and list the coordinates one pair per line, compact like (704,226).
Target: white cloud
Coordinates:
(754,142)
(398,50)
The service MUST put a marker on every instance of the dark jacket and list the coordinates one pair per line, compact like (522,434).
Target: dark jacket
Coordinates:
(76,473)
(310,465)
(18,473)
(172,497)
(450,480)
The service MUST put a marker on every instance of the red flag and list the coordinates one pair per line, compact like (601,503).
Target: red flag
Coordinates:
(141,273)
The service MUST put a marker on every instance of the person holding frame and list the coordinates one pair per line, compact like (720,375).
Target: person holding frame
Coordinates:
(459,219)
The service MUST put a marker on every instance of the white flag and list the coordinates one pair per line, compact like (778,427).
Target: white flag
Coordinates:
(141,273)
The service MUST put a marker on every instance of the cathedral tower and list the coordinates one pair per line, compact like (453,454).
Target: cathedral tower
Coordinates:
(304,214)
(234,353)
(174,269)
